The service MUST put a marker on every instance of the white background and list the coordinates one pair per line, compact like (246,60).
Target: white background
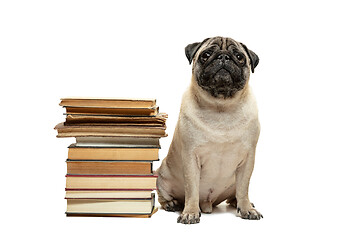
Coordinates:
(306,177)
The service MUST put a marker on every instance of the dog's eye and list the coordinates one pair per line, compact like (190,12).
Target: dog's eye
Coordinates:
(240,57)
(205,56)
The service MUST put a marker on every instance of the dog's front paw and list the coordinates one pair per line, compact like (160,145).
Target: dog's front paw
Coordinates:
(249,213)
(246,210)
(189,218)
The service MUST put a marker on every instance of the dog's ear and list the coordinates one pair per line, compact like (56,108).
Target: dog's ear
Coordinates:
(191,49)
(254,59)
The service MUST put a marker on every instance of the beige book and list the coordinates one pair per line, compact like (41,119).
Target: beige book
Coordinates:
(111,206)
(107,194)
(109,130)
(113,153)
(102,182)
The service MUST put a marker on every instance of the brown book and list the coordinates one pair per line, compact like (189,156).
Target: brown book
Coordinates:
(108,167)
(113,153)
(107,102)
(120,124)
(109,131)
(113,111)
(117,141)
(111,206)
(86,118)
(115,182)
(105,194)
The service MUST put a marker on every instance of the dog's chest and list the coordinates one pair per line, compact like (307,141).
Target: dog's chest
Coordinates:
(221,144)
(217,127)
(218,162)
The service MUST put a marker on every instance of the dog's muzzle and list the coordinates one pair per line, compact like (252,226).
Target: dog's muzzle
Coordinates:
(221,77)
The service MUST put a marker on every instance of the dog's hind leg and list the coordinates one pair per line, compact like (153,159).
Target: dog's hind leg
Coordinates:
(206,206)
(167,202)
(232,202)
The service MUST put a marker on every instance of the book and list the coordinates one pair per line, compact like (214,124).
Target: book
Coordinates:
(127,152)
(107,102)
(90,194)
(111,206)
(115,182)
(113,111)
(155,209)
(117,141)
(88,118)
(108,167)
(129,124)
(109,131)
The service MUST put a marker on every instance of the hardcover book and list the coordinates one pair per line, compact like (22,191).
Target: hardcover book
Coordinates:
(107,102)
(143,206)
(118,182)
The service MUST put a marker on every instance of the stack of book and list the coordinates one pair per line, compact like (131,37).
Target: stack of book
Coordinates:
(109,168)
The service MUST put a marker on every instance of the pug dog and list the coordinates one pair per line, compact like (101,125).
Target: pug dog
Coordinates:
(211,157)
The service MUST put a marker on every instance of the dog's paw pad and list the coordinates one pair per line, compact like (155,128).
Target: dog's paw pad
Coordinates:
(189,218)
(251,214)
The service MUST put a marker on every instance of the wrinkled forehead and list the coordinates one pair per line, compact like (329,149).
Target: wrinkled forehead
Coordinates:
(221,43)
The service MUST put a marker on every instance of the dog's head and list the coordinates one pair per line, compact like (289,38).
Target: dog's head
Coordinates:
(221,66)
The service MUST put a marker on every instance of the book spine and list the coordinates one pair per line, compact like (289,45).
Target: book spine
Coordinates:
(109,176)
(99,160)
(110,189)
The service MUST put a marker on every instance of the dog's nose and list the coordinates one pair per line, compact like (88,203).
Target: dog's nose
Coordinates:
(224,57)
